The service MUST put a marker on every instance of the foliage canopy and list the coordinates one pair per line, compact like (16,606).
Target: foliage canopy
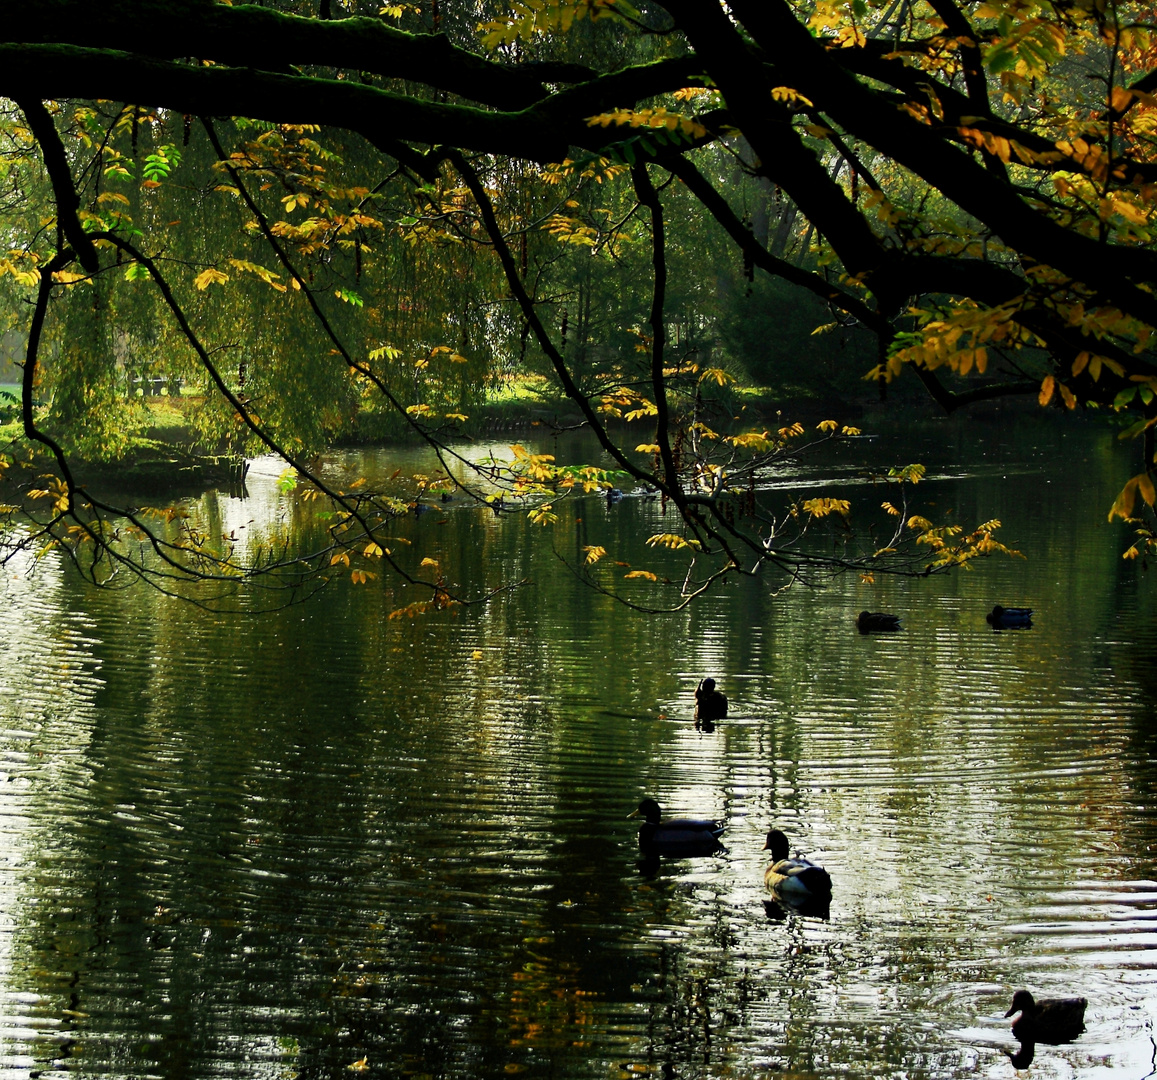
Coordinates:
(411,200)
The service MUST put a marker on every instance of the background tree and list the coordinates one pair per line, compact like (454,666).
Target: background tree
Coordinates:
(416,198)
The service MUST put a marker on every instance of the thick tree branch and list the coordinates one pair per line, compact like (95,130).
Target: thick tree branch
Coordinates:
(260,38)
(56,164)
(805,64)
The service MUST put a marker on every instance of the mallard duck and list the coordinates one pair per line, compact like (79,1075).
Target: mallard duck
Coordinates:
(797,877)
(681,836)
(1051,1020)
(870,621)
(1004,618)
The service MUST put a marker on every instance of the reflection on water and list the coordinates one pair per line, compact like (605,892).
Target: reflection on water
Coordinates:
(278,846)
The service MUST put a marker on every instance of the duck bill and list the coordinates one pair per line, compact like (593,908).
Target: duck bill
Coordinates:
(1014,1009)
(633,813)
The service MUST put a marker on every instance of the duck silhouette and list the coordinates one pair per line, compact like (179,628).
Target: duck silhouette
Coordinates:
(869,622)
(710,704)
(1050,1020)
(1009,618)
(680,837)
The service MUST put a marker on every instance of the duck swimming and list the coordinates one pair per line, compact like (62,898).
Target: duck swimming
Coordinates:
(1007,618)
(682,837)
(1050,1020)
(868,622)
(710,704)
(795,877)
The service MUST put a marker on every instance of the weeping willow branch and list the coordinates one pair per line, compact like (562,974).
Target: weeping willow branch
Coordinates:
(425,434)
(353,507)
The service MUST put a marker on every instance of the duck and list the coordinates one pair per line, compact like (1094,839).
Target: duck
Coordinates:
(870,621)
(684,837)
(794,877)
(1050,1020)
(710,704)
(1005,618)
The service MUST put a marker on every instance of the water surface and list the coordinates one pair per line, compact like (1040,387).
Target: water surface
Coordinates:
(279,845)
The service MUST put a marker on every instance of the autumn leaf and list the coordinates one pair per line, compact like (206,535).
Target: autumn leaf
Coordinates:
(209,277)
(543,515)
(673,541)
(1142,485)
(819,508)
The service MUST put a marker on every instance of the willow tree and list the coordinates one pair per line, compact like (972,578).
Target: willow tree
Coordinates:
(974,182)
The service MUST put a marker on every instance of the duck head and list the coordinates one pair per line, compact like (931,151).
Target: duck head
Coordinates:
(1022,1001)
(777,845)
(649,811)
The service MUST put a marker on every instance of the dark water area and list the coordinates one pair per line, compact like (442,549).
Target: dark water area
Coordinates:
(281,846)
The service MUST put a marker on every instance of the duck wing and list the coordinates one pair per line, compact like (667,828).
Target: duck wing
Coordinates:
(682,836)
(1053,1020)
(798,876)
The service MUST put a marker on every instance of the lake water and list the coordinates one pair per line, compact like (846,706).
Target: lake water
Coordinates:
(281,846)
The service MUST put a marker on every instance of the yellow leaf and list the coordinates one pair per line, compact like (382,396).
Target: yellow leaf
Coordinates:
(827,425)
(1123,504)
(339,557)
(594,553)
(718,374)
(209,277)
(673,541)
(430,562)
(822,507)
(642,574)
(1120,98)
(476,654)
(786,93)
(647,448)
(373,551)
(1046,390)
